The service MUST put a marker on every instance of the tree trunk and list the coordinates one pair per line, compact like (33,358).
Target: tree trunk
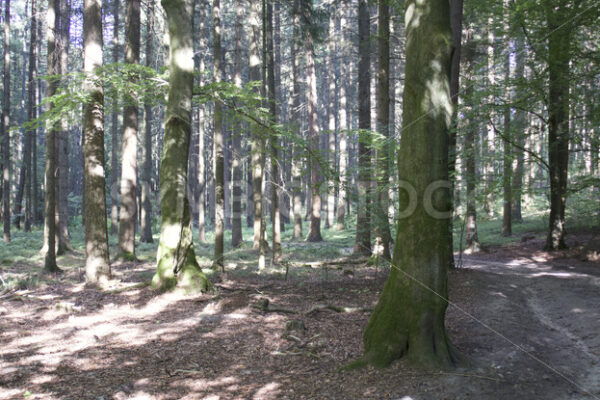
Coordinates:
(50,171)
(97,264)
(236,222)
(295,122)
(114,152)
(176,258)
(31,133)
(128,209)
(342,195)
(331,131)
(146,217)
(5,127)
(272,98)
(519,137)
(218,142)
(559,58)
(507,152)
(409,317)
(201,130)
(314,228)
(382,227)
(362,245)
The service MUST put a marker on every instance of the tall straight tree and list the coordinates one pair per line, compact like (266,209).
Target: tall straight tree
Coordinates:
(343,116)
(114,148)
(31,132)
(97,264)
(146,217)
(50,170)
(314,227)
(128,209)
(236,140)
(218,143)
(362,244)
(5,127)
(272,98)
(382,225)
(176,258)
(201,127)
(409,317)
(331,117)
(295,120)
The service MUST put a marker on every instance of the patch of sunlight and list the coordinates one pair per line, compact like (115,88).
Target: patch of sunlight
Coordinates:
(204,384)
(577,310)
(270,390)
(11,394)
(498,294)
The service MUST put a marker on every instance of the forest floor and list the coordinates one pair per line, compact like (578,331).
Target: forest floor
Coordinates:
(529,322)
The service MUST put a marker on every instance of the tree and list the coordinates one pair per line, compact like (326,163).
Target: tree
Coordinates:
(114,148)
(176,258)
(295,121)
(5,127)
(382,227)
(128,209)
(409,317)
(50,170)
(342,200)
(218,142)
(146,220)
(31,132)
(362,244)
(236,221)
(97,264)
(314,227)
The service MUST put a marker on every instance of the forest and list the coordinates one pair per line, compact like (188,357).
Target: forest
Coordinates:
(300,199)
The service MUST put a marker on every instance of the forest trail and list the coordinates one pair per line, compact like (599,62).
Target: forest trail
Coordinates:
(62,340)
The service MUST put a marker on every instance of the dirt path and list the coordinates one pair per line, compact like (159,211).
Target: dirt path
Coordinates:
(535,336)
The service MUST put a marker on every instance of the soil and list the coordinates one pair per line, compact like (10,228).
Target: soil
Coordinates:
(529,322)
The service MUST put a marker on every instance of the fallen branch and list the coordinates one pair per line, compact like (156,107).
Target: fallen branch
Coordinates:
(337,309)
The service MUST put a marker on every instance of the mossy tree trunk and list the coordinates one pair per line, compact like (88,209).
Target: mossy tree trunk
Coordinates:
(128,209)
(409,317)
(176,259)
(97,264)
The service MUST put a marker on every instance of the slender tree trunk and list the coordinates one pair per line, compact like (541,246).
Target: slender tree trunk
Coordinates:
(362,245)
(219,188)
(409,317)
(201,131)
(5,127)
(342,196)
(97,264)
(236,223)
(331,131)
(272,98)
(382,227)
(507,156)
(62,143)
(31,133)
(176,258)
(146,217)
(314,228)
(295,116)
(128,209)
(559,58)
(50,171)
(114,152)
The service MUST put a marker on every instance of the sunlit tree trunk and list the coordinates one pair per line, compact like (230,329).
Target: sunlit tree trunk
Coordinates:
(343,116)
(218,160)
(201,128)
(176,259)
(97,264)
(409,317)
(146,218)
(331,131)
(128,209)
(236,222)
(115,136)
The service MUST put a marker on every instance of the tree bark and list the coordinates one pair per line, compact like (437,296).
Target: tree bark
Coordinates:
(409,317)
(362,244)
(219,188)
(31,133)
(128,209)
(97,264)
(146,217)
(342,195)
(5,128)
(176,259)
(236,163)
(201,131)
(295,116)
(114,152)
(50,170)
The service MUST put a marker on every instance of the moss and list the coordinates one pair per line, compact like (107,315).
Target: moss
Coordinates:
(354,365)
(128,256)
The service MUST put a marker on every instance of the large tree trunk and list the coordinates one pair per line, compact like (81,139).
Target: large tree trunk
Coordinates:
(128,210)
(409,317)
(146,217)
(176,258)
(559,58)
(201,130)
(219,188)
(114,149)
(97,264)
(50,170)
(236,140)
(5,127)
(382,227)
(362,244)
(314,228)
